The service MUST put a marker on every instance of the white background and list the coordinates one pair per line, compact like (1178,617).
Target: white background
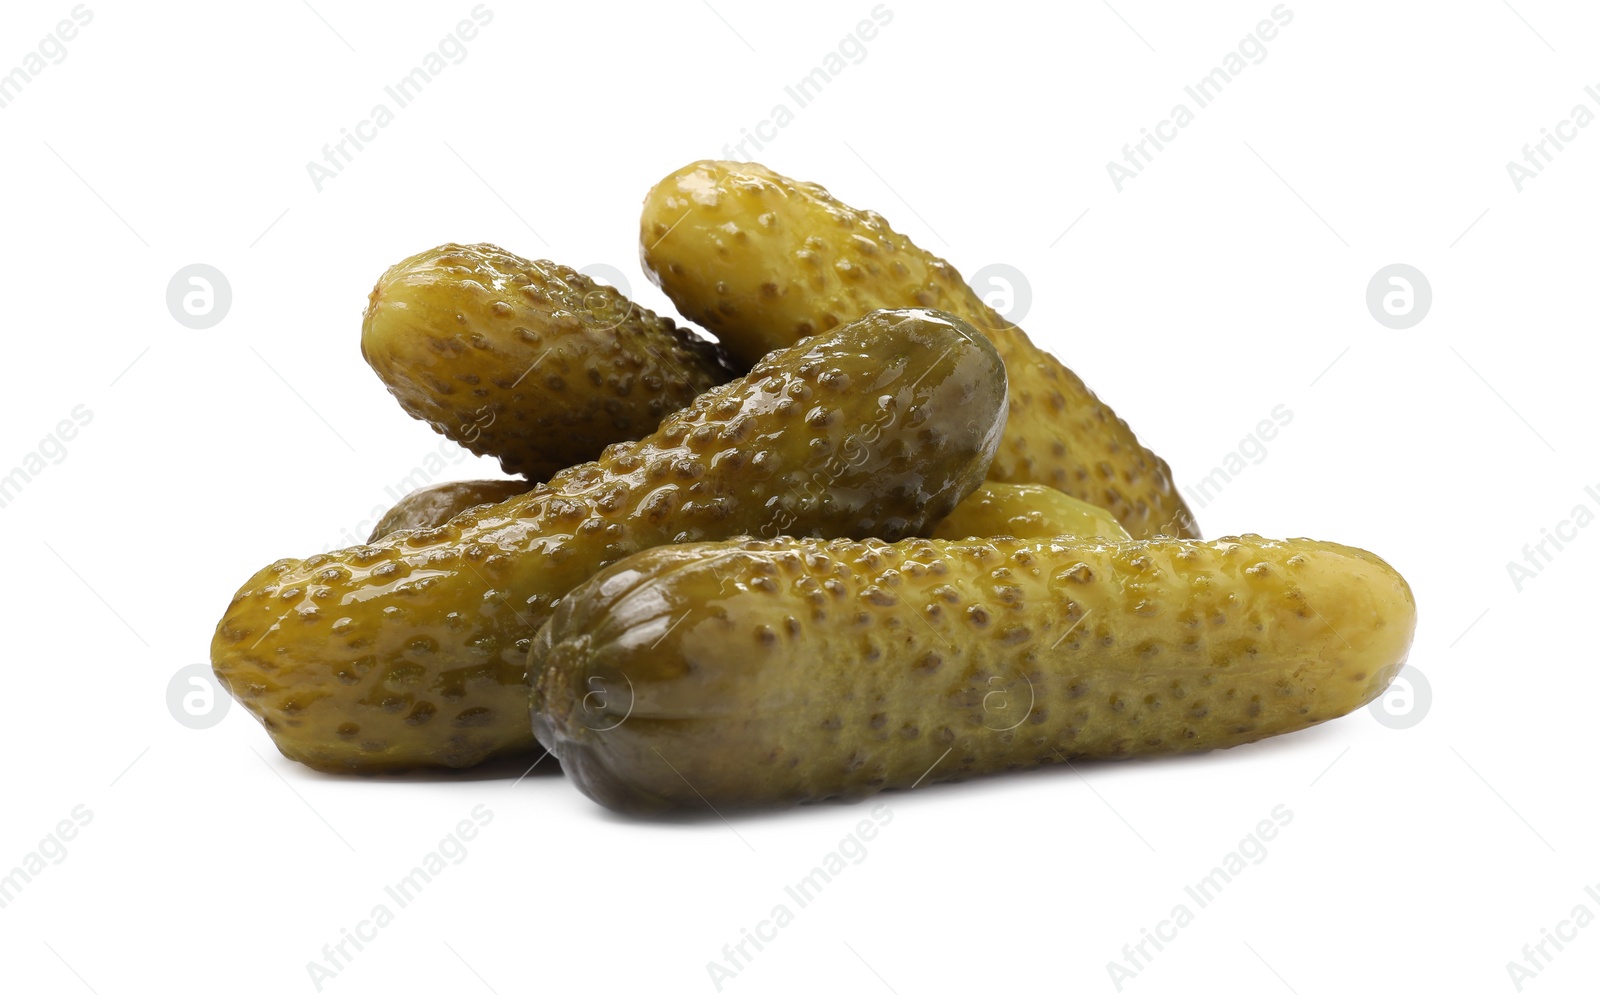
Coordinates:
(1227,279)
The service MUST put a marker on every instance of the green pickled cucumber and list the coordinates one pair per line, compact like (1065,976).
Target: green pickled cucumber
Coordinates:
(759,673)
(1025,511)
(761,259)
(528,361)
(412,650)
(1020,511)
(431,507)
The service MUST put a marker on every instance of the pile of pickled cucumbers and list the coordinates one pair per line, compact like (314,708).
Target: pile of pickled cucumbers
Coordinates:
(862,535)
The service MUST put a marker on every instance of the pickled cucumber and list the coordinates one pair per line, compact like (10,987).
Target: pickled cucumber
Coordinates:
(431,507)
(412,650)
(1025,511)
(760,259)
(771,672)
(1020,511)
(529,362)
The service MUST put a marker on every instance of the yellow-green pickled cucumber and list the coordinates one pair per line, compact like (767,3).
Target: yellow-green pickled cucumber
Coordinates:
(528,361)
(771,672)
(432,506)
(760,260)
(412,650)
(1026,511)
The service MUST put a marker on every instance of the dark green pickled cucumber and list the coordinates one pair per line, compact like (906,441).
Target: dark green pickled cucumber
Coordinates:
(412,650)
(761,259)
(794,670)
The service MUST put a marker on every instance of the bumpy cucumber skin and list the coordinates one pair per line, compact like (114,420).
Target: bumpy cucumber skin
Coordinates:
(763,673)
(1026,511)
(412,650)
(1018,511)
(528,361)
(760,259)
(430,507)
